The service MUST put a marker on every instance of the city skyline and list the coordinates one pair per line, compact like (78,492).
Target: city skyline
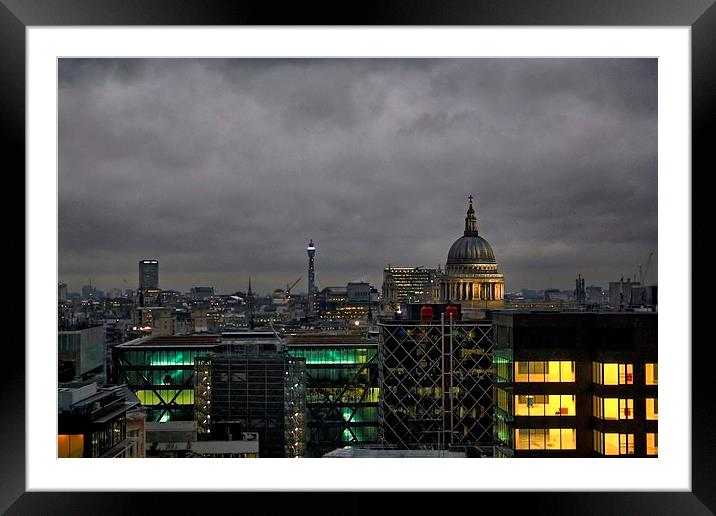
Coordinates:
(224,169)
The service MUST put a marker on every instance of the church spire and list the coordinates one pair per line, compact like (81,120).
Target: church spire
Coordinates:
(470,220)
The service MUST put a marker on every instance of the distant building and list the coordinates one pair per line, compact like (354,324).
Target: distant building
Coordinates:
(644,296)
(595,295)
(148,274)
(403,285)
(92,421)
(62,292)
(201,293)
(620,293)
(89,292)
(575,384)
(81,352)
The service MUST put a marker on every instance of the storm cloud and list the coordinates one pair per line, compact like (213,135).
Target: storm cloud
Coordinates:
(224,169)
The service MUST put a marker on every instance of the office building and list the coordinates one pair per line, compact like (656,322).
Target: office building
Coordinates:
(148,274)
(342,390)
(237,378)
(581,384)
(254,389)
(471,276)
(92,421)
(160,370)
(81,352)
(403,285)
(435,380)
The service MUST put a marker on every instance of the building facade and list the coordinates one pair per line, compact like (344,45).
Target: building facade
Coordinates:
(258,390)
(81,352)
(342,390)
(403,285)
(92,421)
(471,276)
(148,274)
(435,380)
(575,384)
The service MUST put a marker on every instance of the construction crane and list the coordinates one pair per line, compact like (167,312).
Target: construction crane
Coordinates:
(289,287)
(643,276)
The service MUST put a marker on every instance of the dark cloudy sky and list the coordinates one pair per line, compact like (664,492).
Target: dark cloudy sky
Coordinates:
(223,169)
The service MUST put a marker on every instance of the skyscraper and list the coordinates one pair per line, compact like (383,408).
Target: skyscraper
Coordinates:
(148,274)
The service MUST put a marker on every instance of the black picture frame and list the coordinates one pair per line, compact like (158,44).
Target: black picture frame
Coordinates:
(699,15)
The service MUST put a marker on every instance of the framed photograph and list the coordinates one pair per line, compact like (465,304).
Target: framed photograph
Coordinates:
(211,136)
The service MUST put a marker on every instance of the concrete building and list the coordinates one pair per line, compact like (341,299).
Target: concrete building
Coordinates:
(81,352)
(92,421)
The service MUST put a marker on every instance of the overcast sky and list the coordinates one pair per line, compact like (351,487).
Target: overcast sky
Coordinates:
(222,169)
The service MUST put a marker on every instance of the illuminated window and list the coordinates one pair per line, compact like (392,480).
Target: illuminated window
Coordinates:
(612,374)
(612,408)
(70,446)
(652,374)
(545,439)
(652,408)
(545,405)
(652,444)
(553,371)
(613,444)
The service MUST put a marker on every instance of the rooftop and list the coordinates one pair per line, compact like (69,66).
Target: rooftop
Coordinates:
(350,452)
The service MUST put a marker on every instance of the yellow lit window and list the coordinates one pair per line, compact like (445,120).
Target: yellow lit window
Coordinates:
(553,371)
(611,444)
(652,374)
(652,444)
(612,374)
(70,446)
(612,408)
(626,444)
(652,408)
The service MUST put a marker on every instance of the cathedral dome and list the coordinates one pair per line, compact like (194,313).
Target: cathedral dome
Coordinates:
(470,249)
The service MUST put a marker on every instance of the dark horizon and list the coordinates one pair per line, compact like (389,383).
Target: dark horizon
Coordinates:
(227,167)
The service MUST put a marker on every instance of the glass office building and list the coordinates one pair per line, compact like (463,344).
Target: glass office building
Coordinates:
(342,390)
